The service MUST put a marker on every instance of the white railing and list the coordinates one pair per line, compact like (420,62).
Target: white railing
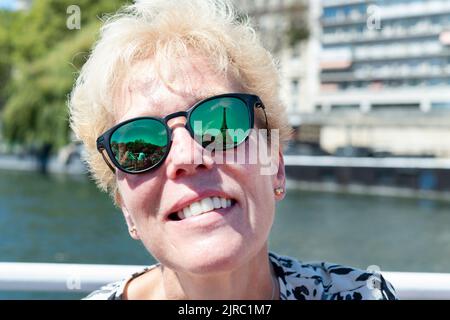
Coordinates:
(365,162)
(88,277)
(60,276)
(414,285)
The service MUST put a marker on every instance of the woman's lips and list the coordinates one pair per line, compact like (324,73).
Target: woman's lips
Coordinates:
(203,206)
(200,203)
(206,220)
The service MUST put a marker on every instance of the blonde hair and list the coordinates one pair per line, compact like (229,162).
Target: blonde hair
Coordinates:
(164,29)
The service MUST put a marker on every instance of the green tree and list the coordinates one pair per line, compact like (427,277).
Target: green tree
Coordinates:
(36,110)
(44,60)
(6,18)
(42,27)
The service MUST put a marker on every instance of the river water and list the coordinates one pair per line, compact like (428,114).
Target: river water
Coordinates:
(66,219)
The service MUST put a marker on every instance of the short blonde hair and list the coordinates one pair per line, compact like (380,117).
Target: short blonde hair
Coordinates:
(162,29)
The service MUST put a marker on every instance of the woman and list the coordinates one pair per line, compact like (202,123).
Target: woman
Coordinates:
(188,80)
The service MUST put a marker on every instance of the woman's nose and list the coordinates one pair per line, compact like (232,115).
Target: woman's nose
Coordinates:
(186,156)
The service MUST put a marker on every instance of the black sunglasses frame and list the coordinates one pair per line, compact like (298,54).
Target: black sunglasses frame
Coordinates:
(104,141)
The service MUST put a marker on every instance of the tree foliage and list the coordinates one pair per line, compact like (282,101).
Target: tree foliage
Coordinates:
(6,19)
(42,63)
(298,29)
(39,59)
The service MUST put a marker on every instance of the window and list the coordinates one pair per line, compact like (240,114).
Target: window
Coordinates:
(294,87)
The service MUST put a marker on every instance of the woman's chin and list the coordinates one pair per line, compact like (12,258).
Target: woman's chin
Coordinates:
(209,257)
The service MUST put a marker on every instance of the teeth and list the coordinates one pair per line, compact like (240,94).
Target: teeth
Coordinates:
(217,203)
(207,204)
(187,212)
(196,208)
(224,202)
(202,206)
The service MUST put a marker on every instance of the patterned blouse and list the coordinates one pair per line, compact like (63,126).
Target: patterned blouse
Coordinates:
(298,281)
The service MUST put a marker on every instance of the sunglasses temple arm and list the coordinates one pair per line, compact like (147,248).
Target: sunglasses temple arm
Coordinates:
(267,123)
(107,162)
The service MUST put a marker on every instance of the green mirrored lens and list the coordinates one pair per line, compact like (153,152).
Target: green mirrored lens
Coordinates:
(224,121)
(139,144)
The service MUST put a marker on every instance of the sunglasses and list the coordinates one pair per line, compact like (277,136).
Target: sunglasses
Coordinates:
(142,144)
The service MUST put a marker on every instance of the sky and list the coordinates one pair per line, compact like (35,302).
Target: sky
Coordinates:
(7,4)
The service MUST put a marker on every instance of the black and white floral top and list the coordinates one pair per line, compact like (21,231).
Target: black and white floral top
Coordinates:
(299,281)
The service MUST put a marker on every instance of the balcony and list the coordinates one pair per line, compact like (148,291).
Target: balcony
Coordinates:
(391,12)
(387,74)
(338,3)
(422,33)
(400,51)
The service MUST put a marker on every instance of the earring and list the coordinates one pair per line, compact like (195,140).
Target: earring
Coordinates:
(279,191)
(133,230)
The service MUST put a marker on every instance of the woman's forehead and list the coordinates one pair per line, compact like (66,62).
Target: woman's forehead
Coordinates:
(148,90)
(185,75)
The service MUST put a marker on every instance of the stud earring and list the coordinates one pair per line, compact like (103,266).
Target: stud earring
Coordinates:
(133,230)
(279,191)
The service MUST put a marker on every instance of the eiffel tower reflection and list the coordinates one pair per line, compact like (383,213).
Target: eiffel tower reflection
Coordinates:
(226,137)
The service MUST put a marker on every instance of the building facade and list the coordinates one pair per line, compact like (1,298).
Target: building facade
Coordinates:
(298,62)
(398,47)
(385,76)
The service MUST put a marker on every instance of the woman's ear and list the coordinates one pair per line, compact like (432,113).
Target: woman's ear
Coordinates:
(132,230)
(279,179)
